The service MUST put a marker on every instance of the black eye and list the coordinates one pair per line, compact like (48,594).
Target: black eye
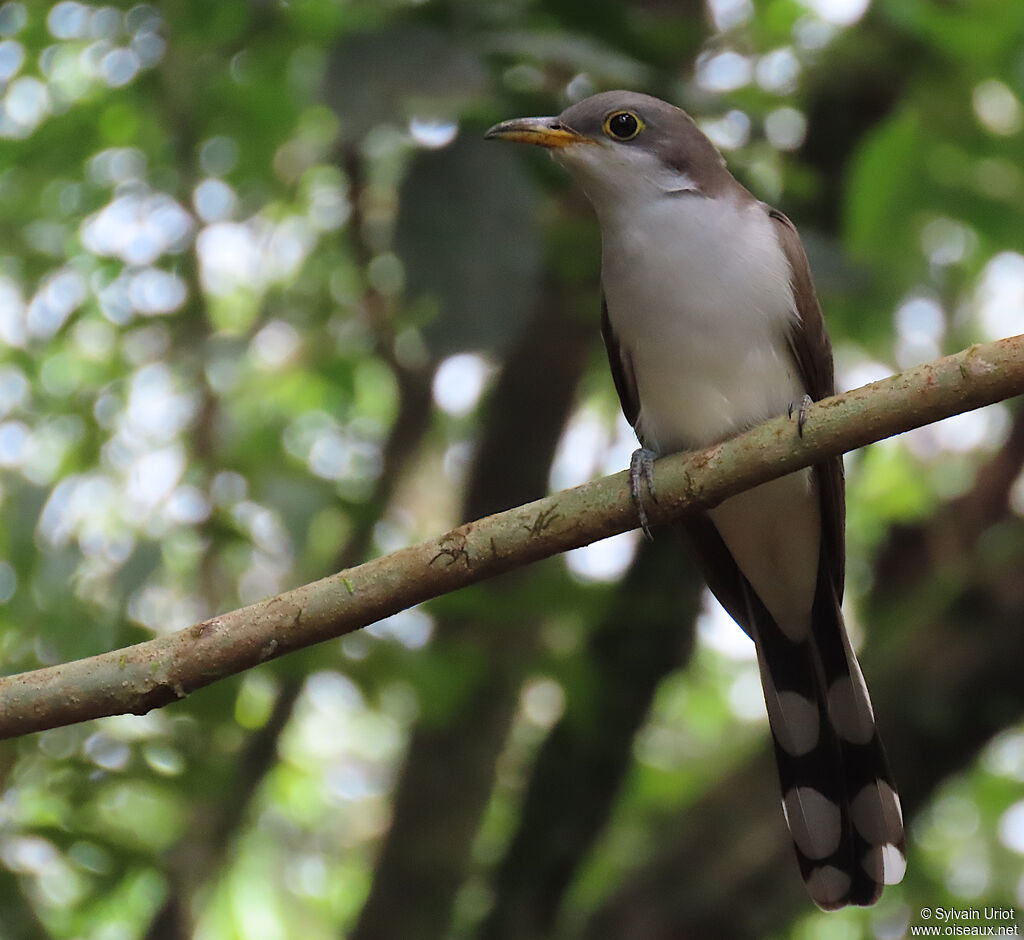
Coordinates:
(622,125)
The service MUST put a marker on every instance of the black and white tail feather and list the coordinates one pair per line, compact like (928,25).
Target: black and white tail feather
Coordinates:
(838,794)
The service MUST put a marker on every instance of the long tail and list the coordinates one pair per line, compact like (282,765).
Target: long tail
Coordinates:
(838,794)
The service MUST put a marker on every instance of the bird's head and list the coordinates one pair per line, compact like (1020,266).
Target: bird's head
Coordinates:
(623,145)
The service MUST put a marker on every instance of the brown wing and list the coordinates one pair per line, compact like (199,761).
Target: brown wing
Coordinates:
(812,352)
(622,369)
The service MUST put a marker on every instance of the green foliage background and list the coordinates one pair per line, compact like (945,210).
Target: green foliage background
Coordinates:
(269,306)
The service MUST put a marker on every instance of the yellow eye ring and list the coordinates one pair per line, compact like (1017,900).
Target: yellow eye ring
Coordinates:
(622,125)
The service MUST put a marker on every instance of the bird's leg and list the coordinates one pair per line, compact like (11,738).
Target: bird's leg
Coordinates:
(641,469)
(800,407)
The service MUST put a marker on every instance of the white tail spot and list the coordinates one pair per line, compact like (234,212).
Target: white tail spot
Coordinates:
(814,821)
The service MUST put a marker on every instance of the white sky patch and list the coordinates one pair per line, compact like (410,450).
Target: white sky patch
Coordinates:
(920,327)
(94,339)
(785,128)
(137,228)
(152,477)
(218,155)
(718,631)
(460,381)
(119,66)
(432,133)
(15,441)
(580,86)
(413,628)
(88,507)
(970,875)
(920,319)
(12,56)
(457,458)
(778,71)
(214,200)
(229,255)
(329,207)
(997,107)
(291,240)
(1017,495)
(542,701)
(860,373)
(606,560)
(582,445)
(589,447)
(960,433)
(12,313)
(1005,755)
(730,131)
(333,696)
(187,505)
(838,12)
(253,254)
(264,526)
(275,345)
(228,488)
(116,164)
(69,20)
(1012,828)
(946,241)
(153,292)
(999,297)
(14,388)
(8,581)
(331,450)
(156,410)
(723,71)
(60,294)
(149,47)
(618,455)
(13,17)
(728,14)
(746,698)
(24,107)
(812,33)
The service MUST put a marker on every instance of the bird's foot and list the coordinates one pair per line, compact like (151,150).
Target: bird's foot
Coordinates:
(641,470)
(800,407)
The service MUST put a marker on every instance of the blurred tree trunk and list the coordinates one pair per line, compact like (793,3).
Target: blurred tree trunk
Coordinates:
(580,768)
(449,770)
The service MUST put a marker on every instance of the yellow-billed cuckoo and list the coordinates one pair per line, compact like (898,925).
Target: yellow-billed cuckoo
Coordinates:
(712,325)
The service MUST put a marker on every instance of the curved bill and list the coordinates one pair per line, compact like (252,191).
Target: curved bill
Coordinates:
(540,131)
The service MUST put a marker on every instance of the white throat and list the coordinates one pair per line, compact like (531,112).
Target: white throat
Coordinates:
(618,176)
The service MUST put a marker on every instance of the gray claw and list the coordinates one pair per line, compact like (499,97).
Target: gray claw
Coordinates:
(641,469)
(801,412)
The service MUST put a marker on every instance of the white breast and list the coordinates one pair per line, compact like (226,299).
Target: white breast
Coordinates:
(699,297)
(698,292)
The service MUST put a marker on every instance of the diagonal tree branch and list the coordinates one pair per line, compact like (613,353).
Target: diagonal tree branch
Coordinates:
(151,674)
